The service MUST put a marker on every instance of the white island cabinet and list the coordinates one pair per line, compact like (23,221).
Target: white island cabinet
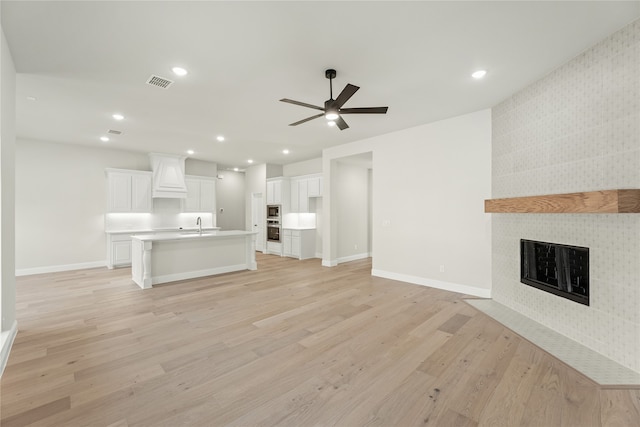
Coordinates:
(163,258)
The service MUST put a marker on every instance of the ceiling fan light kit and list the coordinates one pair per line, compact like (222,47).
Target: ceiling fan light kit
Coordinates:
(333,110)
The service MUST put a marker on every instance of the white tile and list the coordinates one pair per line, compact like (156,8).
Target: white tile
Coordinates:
(577,129)
(592,364)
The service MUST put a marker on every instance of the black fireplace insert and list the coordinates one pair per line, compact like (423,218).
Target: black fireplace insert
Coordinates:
(559,269)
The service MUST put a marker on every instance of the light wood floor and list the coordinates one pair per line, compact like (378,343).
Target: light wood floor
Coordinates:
(292,344)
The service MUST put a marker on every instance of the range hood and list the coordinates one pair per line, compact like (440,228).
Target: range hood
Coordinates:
(168,176)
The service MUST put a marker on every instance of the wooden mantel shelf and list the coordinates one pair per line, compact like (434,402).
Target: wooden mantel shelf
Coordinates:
(608,201)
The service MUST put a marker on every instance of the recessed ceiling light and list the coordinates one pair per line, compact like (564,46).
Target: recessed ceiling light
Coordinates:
(236,169)
(179,71)
(479,74)
(220,138)
(250,161)
(118,116)
(104,139)
(285,151)
(190,151)
(331,123)
(31,98)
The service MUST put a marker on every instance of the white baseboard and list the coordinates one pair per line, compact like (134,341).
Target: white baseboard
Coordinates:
(57,268)
(329,262)
(6,342)
(447,286)
(200,273)
(353,257)
(334,262)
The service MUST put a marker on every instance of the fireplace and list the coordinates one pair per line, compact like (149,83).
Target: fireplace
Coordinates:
(558,269)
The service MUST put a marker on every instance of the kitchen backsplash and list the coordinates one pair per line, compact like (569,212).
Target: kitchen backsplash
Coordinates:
(577,129)
(166,214)
(302,220)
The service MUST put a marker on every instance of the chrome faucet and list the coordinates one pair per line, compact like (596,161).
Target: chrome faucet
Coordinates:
(199,224)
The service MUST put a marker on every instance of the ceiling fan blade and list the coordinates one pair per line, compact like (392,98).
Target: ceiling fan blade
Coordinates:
(307,119)
(302,104)
(341,123)
(346,93)
(364,110)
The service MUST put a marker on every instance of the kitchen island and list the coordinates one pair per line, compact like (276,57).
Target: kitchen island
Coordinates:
(168,257)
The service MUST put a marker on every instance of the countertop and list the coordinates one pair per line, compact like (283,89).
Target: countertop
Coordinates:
(161,230)
(298,228)
(189,235)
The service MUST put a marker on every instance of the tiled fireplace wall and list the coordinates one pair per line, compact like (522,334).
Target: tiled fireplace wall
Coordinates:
(577,129)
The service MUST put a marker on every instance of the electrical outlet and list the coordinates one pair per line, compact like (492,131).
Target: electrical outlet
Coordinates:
(386,223)
(442,269)
(355,246)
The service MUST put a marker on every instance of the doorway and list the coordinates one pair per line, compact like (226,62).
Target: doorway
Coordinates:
(257,220)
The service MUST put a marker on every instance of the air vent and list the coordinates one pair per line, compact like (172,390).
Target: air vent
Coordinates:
(159,81)
(114,132)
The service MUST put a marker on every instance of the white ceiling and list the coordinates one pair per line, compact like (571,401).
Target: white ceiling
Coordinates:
(84,61)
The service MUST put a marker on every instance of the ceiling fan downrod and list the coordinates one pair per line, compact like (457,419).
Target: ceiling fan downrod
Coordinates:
(330,74)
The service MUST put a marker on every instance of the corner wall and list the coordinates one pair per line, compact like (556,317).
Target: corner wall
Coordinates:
(577,129)
(428,187)
(8,324)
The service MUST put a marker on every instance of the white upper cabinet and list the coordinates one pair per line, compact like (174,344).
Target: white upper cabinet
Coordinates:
(278,192)
(128,191)
(208,195)
(119,192)
(295,195)
(314,186)
(274,192)
(303,195)
(192,202)
(141,193)
(302,188)
(201,195)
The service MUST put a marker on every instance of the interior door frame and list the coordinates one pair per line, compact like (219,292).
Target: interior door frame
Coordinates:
(258,221)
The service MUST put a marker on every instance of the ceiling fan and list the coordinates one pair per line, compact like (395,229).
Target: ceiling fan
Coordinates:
(333,107)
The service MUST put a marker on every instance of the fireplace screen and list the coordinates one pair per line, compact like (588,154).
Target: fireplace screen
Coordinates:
(559,269)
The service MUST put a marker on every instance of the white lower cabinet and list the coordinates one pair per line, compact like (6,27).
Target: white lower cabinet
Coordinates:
(299,244)
(118,250)
(274,248)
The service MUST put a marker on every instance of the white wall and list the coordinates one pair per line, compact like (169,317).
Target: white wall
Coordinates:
(353,211)
(273,171)
(306,167)
(200,168)
(7,195)
(61,202)
(230,195)
(429,186)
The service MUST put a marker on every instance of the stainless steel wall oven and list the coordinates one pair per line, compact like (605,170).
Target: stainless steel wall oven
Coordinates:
(273,230)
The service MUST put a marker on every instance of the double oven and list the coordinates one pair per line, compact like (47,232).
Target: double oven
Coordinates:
(274,226)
